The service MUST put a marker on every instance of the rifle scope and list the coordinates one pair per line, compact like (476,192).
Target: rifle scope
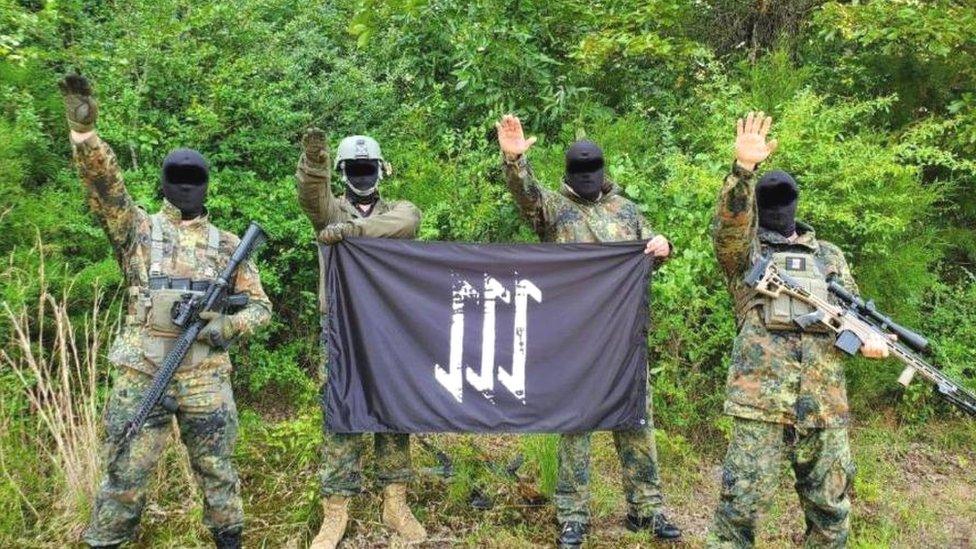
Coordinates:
(875,317)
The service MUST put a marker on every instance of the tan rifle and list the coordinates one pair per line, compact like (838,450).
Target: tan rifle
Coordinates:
(854,322)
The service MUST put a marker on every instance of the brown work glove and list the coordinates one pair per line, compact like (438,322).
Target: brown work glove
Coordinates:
(335,232)
(316,147)
(80,107)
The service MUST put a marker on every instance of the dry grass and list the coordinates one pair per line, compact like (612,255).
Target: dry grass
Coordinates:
(56,361)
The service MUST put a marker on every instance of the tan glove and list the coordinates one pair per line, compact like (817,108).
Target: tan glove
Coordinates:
(80,107)
(219,330)
(335,232)
(316,147)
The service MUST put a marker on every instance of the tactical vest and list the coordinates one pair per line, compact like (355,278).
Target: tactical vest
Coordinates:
(151,306)
(778,314)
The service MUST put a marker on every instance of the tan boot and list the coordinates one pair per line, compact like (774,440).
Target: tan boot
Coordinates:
(335,515)
(397,515)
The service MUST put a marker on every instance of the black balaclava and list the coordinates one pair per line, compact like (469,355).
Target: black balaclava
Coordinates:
(584,169)
(776,196)
(185,178)
(362,176)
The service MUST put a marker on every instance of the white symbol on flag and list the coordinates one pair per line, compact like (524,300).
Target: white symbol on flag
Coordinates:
(483,380)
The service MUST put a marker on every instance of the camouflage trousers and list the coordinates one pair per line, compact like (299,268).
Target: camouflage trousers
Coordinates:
(341,470)
(824,470)
(207,419)
(638,462)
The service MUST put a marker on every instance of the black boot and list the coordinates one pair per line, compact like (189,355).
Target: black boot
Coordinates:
(228,539)
(571,535)
(658,523)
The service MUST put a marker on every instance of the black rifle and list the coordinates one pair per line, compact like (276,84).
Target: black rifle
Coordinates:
(854,321)
(186,314)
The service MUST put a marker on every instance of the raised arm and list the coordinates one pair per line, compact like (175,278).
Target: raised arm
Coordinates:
(529,196)
(108,198)
(314,178)
(735,224)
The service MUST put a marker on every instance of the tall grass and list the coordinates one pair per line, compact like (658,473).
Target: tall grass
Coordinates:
(56,360)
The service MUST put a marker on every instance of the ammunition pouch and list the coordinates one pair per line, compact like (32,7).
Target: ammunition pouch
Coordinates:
(160,333)
(779,313)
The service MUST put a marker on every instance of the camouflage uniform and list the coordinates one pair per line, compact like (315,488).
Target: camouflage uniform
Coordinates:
(564,217)
(341,468)
(161,245)
(785,390)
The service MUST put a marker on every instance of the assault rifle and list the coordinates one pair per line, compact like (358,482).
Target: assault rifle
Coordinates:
(854,321)
(186,315)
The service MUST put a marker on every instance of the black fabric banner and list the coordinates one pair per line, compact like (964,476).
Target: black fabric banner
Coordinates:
(438,336)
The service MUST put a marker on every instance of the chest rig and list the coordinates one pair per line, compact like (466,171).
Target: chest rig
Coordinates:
(151,306)
(807,267)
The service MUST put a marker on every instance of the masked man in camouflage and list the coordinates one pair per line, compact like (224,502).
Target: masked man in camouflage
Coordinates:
(164,256)
(786,391)
(589,209)
(361,212)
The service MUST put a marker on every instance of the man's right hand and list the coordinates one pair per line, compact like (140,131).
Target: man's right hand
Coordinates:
(511,138)
(316,146)
(80,106)
(751,147)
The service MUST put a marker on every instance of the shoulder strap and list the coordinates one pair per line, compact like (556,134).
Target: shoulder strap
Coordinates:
(213,242)
(156,246)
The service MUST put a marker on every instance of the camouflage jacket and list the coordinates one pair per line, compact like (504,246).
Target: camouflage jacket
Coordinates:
(396,219)
(184,244)
(565,217)
(782,377)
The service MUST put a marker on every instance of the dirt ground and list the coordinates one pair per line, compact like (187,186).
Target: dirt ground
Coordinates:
(908,493)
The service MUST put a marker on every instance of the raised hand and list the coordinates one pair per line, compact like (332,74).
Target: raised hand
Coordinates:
(511,138)
(80,106)
(316,146)
(751,147)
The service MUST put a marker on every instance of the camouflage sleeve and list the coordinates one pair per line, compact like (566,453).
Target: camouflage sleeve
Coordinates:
(315,194)
(400,221)
(258,310)
(837,266)
(108,198)
(734,227)
(530,197)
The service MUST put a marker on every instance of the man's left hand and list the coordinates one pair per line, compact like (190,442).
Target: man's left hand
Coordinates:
(658,247)
(875,347)
(335,232)
(218,331)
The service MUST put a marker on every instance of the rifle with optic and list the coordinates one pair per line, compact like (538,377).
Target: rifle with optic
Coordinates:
(854,321)
(186,315)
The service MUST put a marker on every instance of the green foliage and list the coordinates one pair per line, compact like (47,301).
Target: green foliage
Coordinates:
(429,78)
(874,105)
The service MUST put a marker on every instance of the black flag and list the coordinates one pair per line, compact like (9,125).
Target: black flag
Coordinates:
(437,336)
